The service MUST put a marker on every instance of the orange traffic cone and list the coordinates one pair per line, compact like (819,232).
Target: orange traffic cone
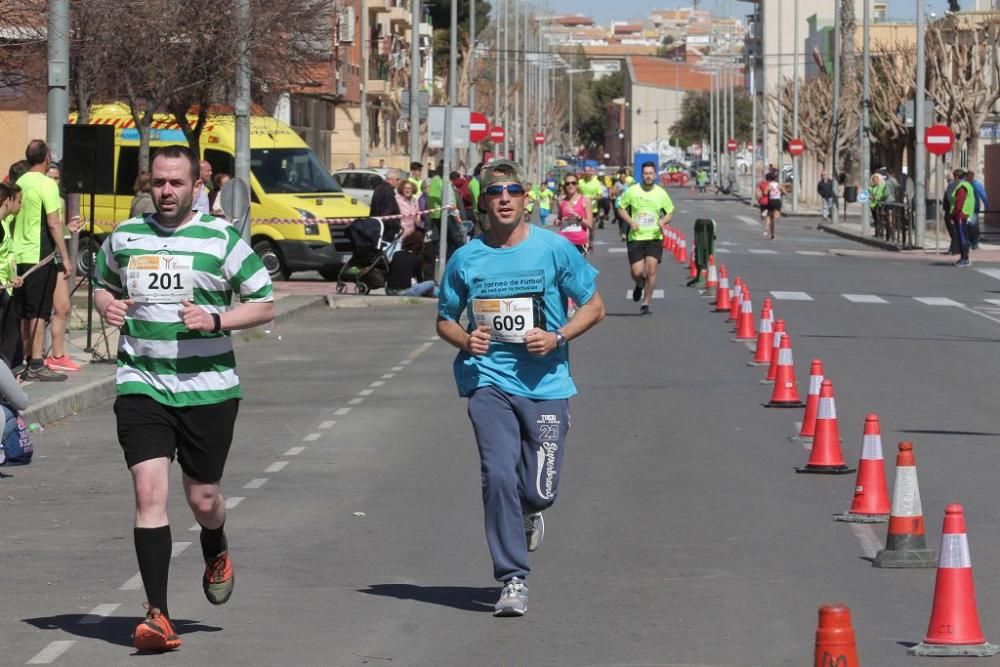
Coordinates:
(786,390)
(734,302)
(692,268)
(744,324)
(905,543)
(826,457)
(777,334)
(668,239)
(812,401)
(765,337)
(682,252)
(954,628)
(722,294)
(835,644)
(713,276)
(871,498)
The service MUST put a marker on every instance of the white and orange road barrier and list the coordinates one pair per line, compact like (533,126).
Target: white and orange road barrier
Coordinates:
(906,541)
(835,643)
(954,628)
(736,301)
(871,496)
(722,294)
(786,388)
(825,458)
(808,428)
(772,368)
(712,282)
(744,323)
(682,251)
(765,337)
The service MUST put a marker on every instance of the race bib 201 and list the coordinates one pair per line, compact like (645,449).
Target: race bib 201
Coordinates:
(160,278)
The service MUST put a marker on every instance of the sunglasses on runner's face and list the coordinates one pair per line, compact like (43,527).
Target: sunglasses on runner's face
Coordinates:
(570,182)
(514,190)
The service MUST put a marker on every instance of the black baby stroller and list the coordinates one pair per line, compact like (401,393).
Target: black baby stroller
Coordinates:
(373,243)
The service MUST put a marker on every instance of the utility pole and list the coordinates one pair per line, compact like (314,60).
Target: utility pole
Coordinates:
(449,139)
(866,102)
(241,107)
(496,65)
(796,159)
(711,132)
(781,102)
(415,152)
(834,167)
(920,154)
(524,101)
(473,150)
(57,103)
(506,78)
(753,129)
(516,129)
(363,120)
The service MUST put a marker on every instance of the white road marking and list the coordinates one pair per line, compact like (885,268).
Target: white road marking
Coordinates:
(233,501)
(277,466)
(417,352)
(405,362)
(791,296)
(761,251)
(870,542)
(722,250)
(98,613)
(327,424)
(51,652)
(134,583)
(433,339)
(992,273)
(657,294)
(936,301)
(864,298)
(397,368)
(366,392)
(618,250)
(342,411)
(356,401)
(295,451)
(177,548)
(810,253)
(312,437)
(377,383)
(388,376)
(255,483)
(748,220)
(995,302)
(194,529)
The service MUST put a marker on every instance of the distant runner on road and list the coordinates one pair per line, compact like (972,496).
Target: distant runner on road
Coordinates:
(512,284)
(166,280)
(645,207)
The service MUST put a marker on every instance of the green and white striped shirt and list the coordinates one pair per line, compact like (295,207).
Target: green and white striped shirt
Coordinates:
(157,355)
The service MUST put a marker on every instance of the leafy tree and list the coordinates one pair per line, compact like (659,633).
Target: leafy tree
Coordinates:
(589,104)
(694,124)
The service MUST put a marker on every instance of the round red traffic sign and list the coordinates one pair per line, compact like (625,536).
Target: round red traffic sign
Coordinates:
(796,146)
(497,134)
(539,138)
(731,145)
(939,139)
(479,127)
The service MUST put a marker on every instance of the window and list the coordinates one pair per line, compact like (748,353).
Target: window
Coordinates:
(290,170)
(221,161)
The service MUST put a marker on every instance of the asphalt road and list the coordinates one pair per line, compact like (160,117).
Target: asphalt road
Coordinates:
(682,536)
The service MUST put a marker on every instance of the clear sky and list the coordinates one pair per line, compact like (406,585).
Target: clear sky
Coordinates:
(605,11)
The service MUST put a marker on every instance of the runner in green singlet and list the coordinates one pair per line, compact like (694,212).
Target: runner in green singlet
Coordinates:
(646,208)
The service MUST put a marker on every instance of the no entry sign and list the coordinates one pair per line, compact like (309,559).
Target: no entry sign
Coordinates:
(731,145)
(939,139)
(796,146)
(497,134)
(539,138)
(479,127)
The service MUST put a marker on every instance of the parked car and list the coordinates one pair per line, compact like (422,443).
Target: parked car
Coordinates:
(360,183)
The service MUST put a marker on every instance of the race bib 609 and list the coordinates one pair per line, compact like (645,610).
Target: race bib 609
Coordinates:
(508,319)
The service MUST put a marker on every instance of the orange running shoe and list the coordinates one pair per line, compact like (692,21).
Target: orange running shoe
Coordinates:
(155,633)
(219,580)
(62,364)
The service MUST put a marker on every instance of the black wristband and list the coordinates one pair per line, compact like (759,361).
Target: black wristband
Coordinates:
(218,323)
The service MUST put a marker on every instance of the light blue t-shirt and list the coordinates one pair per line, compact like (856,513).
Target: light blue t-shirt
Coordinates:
(545,267)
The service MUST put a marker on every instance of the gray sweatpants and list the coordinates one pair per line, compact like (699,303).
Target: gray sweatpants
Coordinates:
(520,453)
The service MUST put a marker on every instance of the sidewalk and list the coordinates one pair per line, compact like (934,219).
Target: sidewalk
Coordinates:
(95,382)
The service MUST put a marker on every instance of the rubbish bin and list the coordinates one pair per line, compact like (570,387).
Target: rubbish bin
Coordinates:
(704,242)
(850,193)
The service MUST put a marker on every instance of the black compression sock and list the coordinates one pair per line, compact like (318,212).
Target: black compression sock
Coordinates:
(152,549)
(213,541)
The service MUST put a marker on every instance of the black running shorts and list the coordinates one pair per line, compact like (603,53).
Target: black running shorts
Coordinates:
(199,435)
(34,299)
(639,250)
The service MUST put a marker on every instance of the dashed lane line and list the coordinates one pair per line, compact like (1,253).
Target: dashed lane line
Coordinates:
(366,392)
(992,273)
(277,466)
(388,376)
(134,582)
(233,502)
(870,542)
(356,401)
(811,253)
(618,250)
(420,350)
(762,251)
(255,483)
(327,424)
(51,653)
(377,383)
(397,368)
(98,613)
(864,298)
(312,437)
(791,296)
(723,251)
(936,301)
(748,220)
(657,294)
(295,451)
(341,412)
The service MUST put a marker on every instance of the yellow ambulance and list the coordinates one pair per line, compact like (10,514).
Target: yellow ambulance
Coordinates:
(298,210)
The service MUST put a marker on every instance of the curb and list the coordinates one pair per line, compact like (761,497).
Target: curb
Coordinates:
(85,396)
(876,243)
(336,301)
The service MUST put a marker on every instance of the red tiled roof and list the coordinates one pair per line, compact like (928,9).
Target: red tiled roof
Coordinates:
(649,71)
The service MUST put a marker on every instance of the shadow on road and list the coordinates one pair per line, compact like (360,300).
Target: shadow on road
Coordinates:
(113,629)
(466,598)
(927,431)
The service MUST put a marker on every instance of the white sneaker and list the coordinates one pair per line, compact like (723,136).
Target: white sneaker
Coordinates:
(534,530)
(513,599)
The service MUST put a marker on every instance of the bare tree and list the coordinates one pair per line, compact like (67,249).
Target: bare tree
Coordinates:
(892,85)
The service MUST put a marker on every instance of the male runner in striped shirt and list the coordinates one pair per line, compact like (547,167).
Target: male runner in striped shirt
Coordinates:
(166,279)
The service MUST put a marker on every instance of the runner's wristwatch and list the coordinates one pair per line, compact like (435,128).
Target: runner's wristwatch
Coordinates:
(560,339)
(217,321)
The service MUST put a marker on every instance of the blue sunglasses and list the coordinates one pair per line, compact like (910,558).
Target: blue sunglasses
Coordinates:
(514,190)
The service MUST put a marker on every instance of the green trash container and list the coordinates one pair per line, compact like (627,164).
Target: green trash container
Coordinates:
(704,242)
